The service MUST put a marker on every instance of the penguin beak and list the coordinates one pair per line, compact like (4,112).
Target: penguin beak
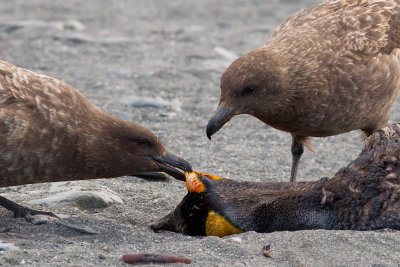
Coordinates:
(222,115)
(169,162)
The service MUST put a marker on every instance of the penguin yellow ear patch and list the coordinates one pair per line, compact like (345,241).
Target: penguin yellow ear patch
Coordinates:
(216,225)
(193,183)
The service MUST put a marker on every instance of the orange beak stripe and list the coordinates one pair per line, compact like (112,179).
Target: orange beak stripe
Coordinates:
(212,177)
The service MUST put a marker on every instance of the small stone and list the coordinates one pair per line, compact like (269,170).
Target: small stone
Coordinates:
(82,198)
(5,246)
(71,25)
(102,256)
(227,54)
(235,239)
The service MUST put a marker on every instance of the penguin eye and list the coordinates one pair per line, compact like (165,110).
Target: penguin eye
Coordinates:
(248,91)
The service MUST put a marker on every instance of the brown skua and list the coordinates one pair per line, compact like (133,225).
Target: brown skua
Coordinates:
(327,70)
(50,132)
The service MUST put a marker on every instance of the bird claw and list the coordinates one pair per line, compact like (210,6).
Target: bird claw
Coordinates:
(36,216)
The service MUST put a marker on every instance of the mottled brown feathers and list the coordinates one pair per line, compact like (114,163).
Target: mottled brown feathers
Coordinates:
(51,132)
(328,69)
(317,69)
(328,57)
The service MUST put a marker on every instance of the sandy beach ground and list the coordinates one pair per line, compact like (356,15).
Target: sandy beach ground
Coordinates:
(115,52)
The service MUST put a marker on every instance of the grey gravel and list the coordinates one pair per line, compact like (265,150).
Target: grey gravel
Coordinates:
(167,49)
(150,102)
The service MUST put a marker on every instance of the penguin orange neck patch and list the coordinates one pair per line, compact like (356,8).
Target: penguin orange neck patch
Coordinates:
(216,225)
(193,183)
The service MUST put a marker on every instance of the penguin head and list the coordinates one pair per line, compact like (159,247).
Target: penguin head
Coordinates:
(200,212)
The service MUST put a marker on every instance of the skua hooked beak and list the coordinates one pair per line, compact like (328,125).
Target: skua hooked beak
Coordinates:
(221,116)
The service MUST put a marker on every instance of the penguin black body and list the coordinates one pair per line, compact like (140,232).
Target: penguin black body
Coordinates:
(363,196)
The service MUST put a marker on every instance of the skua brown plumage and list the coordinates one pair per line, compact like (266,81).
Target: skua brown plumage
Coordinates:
(50,132)
(327,70)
